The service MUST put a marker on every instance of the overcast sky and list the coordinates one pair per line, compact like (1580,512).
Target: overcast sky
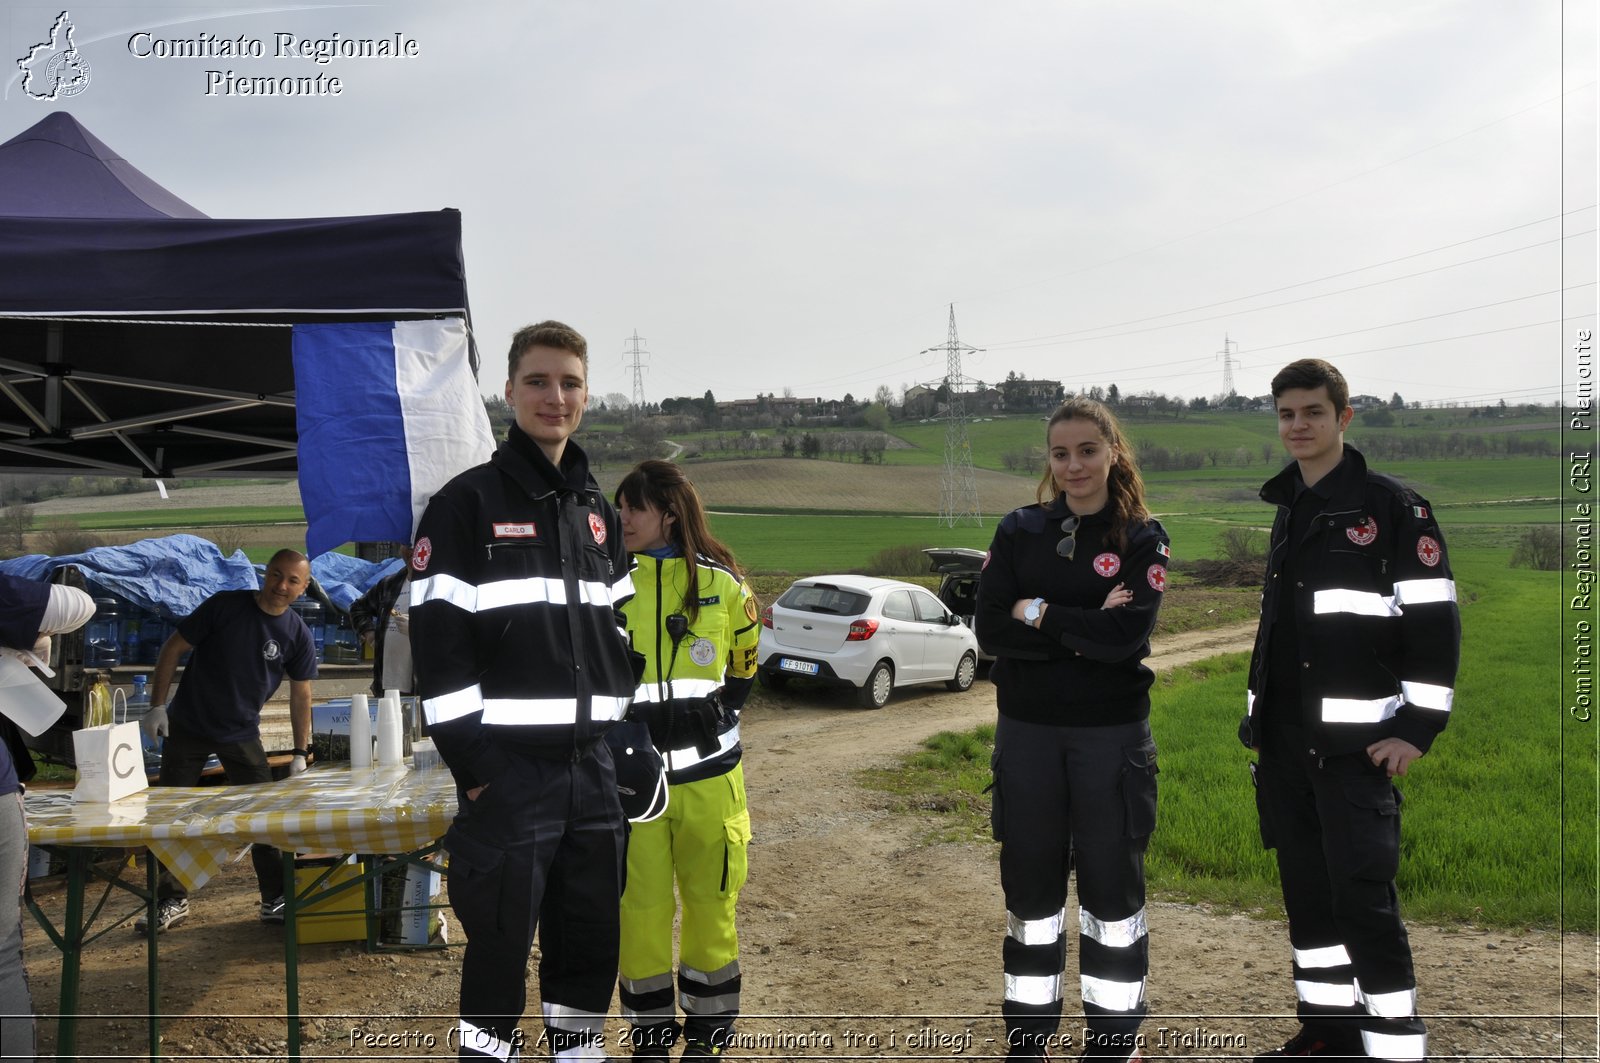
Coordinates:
(790,196)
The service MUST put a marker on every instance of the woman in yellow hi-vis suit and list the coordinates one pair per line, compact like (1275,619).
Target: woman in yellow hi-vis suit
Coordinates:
(695,620)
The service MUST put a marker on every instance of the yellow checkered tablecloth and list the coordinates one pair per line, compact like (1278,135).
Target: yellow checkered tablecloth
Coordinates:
(193,830)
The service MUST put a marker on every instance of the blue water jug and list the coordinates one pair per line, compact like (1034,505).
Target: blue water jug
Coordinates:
(311,613)
(102,644)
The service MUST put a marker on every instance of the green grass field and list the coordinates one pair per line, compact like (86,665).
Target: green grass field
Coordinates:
(1495,832)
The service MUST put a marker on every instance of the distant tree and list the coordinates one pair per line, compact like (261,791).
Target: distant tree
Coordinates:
(1539,548)
(1113,396)
(1199,402)
(16,521)
(1378,418)
(810,446)
(788,445)
(876,417)
(884,396)
(1396,402)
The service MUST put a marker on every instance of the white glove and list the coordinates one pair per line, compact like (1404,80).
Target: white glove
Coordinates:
(297,764)
(154,724)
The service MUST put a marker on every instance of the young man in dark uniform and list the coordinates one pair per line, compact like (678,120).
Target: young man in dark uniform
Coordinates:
(523,664)
(1351,680)
(244,643)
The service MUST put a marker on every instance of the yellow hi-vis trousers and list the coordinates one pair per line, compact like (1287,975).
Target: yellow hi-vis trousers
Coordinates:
(702,842)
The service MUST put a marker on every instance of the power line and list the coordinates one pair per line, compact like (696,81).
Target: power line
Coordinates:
(1318,280)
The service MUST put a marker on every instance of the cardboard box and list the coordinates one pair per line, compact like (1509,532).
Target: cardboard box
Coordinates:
(330,728)
(314,919)
(407,894)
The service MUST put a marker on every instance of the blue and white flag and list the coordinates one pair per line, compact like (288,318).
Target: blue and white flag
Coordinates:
(387,412)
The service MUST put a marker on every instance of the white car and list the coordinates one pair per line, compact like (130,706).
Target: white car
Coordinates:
(873,634)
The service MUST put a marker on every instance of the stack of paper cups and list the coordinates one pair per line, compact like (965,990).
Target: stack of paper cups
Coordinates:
(390,738)
(360,732)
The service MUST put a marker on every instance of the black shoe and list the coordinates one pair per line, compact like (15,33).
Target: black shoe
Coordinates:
(1029,1050)
(169,913)
(272,911)
(1314,1043)
(697,1049)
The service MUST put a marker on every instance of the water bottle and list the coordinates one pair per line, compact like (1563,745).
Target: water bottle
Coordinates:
(139,705)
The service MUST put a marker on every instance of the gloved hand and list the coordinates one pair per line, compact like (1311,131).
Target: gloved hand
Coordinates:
(154,724)
(297,764)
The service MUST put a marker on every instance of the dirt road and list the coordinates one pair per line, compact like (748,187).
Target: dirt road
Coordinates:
(859,940)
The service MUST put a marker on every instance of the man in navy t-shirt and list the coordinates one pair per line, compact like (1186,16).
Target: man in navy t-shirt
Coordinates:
(244,643)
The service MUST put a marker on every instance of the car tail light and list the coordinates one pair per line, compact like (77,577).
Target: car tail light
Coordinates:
(861,630)
(766,617)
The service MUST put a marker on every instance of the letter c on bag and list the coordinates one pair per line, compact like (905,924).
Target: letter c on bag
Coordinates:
(116,761)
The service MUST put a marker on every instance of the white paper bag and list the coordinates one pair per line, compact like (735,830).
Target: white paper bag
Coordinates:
(110,763)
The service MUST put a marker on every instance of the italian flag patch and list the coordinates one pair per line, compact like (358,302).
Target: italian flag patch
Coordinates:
(1161,548)
(1421,512)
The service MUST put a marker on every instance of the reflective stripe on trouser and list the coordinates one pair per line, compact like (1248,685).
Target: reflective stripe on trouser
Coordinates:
(1088,791)
(1352,958)
(701,843)
(541,847)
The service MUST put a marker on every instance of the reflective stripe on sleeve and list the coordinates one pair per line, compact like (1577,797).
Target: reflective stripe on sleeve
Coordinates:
(1424,591)
(1401,1004)
(1402,1047)
(1328,956)
(1119,934)
(1326,994)
(1113,996)
(1360,603)
(1046,931)
(1033,988)
(1355,710)
(453,706)
(444,588)
(1428,695)
(1249,702)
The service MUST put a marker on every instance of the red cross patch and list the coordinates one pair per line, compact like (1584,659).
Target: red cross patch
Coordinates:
(1429,551)
(1157,575)
(1363,534)
(597,528)
(420,555)
(1108,565)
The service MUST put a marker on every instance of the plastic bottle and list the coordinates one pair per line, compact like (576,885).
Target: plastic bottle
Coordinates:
(97,709)
(139,704)
(360,732)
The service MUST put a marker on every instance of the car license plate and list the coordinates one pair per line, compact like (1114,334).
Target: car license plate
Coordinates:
(803,667)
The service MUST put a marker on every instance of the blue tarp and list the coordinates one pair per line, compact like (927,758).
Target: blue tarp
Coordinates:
(171,576)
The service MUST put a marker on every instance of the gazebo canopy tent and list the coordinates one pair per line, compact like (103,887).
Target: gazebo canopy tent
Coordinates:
(139,337)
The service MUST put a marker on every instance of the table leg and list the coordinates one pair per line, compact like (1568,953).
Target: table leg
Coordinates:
(152,883)
(291,954)
(71,953)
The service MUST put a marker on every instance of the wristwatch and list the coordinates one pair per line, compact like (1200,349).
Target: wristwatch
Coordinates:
(1031,611)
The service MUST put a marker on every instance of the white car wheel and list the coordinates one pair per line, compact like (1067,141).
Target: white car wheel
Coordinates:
(966,672)
(874,693)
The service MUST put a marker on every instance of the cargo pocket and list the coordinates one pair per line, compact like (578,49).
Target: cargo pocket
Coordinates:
(476,874)
(1373,829)
(736,852)
(996,808)
(1139,789)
